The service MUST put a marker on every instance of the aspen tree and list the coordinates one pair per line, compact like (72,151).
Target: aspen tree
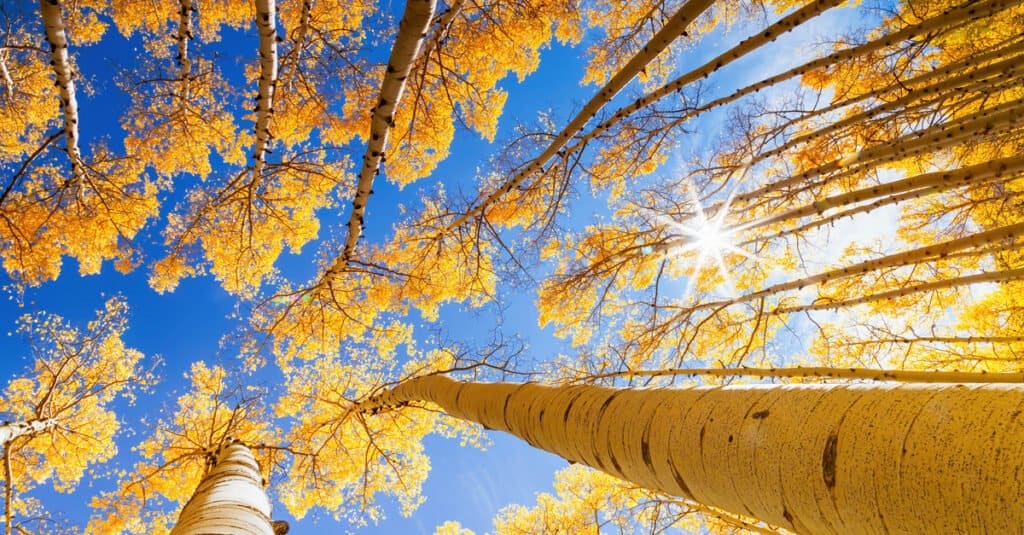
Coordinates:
(455,81)
(463,273)
(200,461)
(951,17)
(947,119)
(852,458)
(238,227)
(59,419)
(183,36)
(326,460)
(319,56)
(266,29)
(66,203)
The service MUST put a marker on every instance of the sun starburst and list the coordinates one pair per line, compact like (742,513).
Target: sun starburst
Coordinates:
(708,235)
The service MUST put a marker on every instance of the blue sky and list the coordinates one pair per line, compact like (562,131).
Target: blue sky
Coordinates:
(465,484)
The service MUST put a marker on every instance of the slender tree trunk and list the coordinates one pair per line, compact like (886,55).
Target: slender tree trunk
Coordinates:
(674,28)
(60,62)
(183,37)
(8,490)
(10,431)
(266,27)
(411,31)
(851,458)
(229,500)
(8,81)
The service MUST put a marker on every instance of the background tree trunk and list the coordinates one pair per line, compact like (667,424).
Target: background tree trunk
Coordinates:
(821,458)
(12,430)
(229,499)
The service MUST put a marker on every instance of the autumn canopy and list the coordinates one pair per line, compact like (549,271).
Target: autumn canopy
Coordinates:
(748,265)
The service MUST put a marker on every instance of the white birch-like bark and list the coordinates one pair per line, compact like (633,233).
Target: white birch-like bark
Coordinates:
(979,80)
(844,459)
(442,25)
(967,280)
(913,84)
(266,27)
(953,16)
(1002,169)
(304,18)
(13,430)
(230,500)
(9,432)
(411,31)
(8,81)
(884,201)
(904,258)
(673,29)
(53,22)
(887,193)
(1003,116)
(936,181)
(183,37)
(746,46)
(290,64)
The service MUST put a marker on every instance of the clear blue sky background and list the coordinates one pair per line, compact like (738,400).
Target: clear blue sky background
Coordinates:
(465,484)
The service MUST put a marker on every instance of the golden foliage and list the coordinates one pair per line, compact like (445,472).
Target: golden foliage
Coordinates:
(76,376)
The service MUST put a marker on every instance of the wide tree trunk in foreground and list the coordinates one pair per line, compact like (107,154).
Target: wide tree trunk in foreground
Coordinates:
(229,500)
(813,458)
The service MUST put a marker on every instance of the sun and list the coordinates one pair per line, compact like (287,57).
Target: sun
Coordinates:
(708,235)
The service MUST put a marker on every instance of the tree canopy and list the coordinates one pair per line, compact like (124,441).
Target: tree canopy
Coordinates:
(568,192)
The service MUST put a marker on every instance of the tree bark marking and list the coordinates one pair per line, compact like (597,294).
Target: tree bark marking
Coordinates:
(11,431)
(266,28)
(722,476)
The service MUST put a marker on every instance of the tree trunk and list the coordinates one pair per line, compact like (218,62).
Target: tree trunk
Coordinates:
(60,62)
(266,27)
(230,499)
(813,458)
(10,431)
(411,31)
